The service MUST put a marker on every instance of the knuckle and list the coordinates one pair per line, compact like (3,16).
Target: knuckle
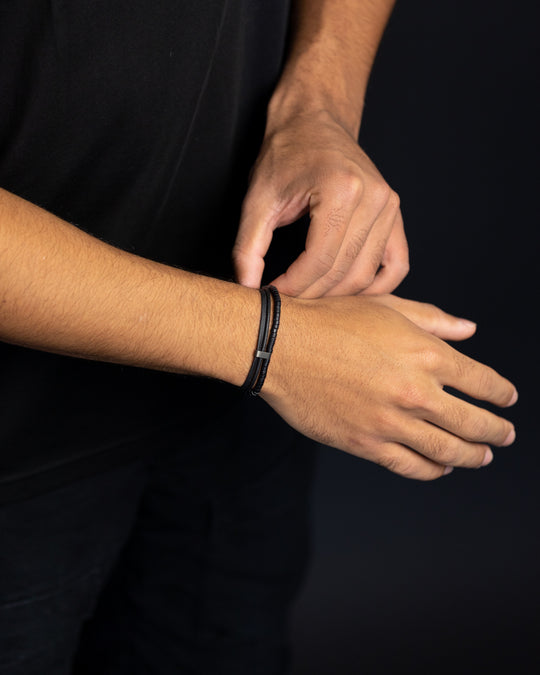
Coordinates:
(353,285)
(394,201)
(355,245)
(335,219)
(238,253)
(380,195)
(401,465)
(432,309)
(400,262)
(485,383)
(453,452)
(386,424)
(461,365)
(391,462)
(409,470)
(323,263)
(481,428)
(353,248)
(365,279)
(471,459)
(431,357)
(433,314)
(377,255)
(336,274)
(357,285)
(402,269)
(404,266)
(412,396)
(455,416)
(439,451)
(352,187)
(356,443)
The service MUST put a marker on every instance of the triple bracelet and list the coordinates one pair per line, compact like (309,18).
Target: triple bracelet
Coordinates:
(268,327)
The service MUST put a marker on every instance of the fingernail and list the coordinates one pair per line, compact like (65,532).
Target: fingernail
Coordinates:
(448,470)
(510,438)
(467,324)
(514,398)
(487,457)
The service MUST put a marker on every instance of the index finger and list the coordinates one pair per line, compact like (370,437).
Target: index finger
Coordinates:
(329,222)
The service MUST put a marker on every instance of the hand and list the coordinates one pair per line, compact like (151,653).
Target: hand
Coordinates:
(355,241)
(355,374)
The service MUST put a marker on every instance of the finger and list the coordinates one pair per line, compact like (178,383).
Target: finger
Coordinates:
(367,223)
(368,258)
(265,208)
(430,318)
(445,448)
(395,261)
(470,422)
(477,380)
(330,218)
(257,223)
(407,463)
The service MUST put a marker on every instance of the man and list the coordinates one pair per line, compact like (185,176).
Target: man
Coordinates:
(156,524)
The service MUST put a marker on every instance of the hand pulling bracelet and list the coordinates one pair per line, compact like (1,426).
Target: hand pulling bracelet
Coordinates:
(265,341)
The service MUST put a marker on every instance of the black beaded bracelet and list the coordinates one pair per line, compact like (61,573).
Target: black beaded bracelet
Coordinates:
(265,341)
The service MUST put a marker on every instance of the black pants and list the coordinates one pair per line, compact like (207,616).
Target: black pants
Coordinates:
(183,563)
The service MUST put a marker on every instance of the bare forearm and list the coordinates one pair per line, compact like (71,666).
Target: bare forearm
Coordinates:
(64,291)
(334,43)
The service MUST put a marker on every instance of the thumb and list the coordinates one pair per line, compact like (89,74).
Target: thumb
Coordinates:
(430,318)
(257,223)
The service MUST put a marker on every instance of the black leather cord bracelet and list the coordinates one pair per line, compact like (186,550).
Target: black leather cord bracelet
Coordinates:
(271,339)
(253,373)
(265,341)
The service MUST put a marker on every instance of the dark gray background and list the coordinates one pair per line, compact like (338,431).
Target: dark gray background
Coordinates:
(410,577)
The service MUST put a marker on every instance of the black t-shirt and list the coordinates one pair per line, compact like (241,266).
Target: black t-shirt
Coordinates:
(138,121)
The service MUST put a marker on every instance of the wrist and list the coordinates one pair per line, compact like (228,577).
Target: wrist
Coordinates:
(226,348)
(285,354)
(220,340)
(297,97)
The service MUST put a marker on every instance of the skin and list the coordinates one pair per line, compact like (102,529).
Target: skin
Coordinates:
(310,161)
(358,373)
(382,376)
(364,374)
